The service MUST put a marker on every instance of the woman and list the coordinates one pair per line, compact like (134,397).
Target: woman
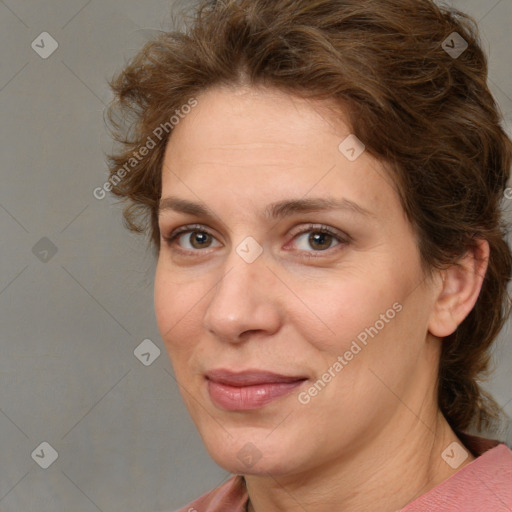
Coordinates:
(321,181)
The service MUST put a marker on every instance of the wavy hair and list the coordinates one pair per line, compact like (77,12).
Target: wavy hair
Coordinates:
(426,113)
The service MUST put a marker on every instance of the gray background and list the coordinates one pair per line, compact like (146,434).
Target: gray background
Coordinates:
(68,374)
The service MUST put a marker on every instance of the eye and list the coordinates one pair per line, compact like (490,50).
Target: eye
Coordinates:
(319,238)
(197,238)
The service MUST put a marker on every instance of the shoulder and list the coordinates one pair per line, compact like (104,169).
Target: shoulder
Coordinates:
(231,496)
(484,484)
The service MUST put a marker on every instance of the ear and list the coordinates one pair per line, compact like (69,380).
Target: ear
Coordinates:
(458,293)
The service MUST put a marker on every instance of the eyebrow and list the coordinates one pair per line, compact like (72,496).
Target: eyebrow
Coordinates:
(273,211)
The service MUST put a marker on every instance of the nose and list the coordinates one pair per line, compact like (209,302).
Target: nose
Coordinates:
(244,301)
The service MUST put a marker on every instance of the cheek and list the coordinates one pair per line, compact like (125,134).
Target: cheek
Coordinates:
(340,310)
(174,308)
(164,302)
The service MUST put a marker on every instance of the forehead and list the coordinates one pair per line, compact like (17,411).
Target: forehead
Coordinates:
(243,119)
(251,144)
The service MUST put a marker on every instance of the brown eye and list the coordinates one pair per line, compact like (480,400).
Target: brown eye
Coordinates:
(199,239)
(320,241)
(318,238)
(190,239)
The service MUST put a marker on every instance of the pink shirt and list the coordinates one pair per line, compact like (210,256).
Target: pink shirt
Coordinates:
(484,485)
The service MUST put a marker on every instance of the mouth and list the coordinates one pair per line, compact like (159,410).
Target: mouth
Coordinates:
(250,389)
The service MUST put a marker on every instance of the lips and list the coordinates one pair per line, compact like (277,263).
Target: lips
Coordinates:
(249,377)
(250,389)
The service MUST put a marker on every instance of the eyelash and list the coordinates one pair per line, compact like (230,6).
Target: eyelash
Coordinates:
(317,228)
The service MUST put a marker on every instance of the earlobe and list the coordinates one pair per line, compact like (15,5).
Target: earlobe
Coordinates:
(459,290)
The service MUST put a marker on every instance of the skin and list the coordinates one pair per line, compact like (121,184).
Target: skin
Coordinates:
(374,433)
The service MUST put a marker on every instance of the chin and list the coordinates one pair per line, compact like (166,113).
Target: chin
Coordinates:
(253,454)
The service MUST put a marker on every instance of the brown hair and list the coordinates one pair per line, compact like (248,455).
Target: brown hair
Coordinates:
(426,113)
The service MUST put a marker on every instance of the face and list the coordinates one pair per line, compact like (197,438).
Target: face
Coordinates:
(292,303)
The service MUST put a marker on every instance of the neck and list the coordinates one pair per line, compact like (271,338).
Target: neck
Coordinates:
(395,468)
